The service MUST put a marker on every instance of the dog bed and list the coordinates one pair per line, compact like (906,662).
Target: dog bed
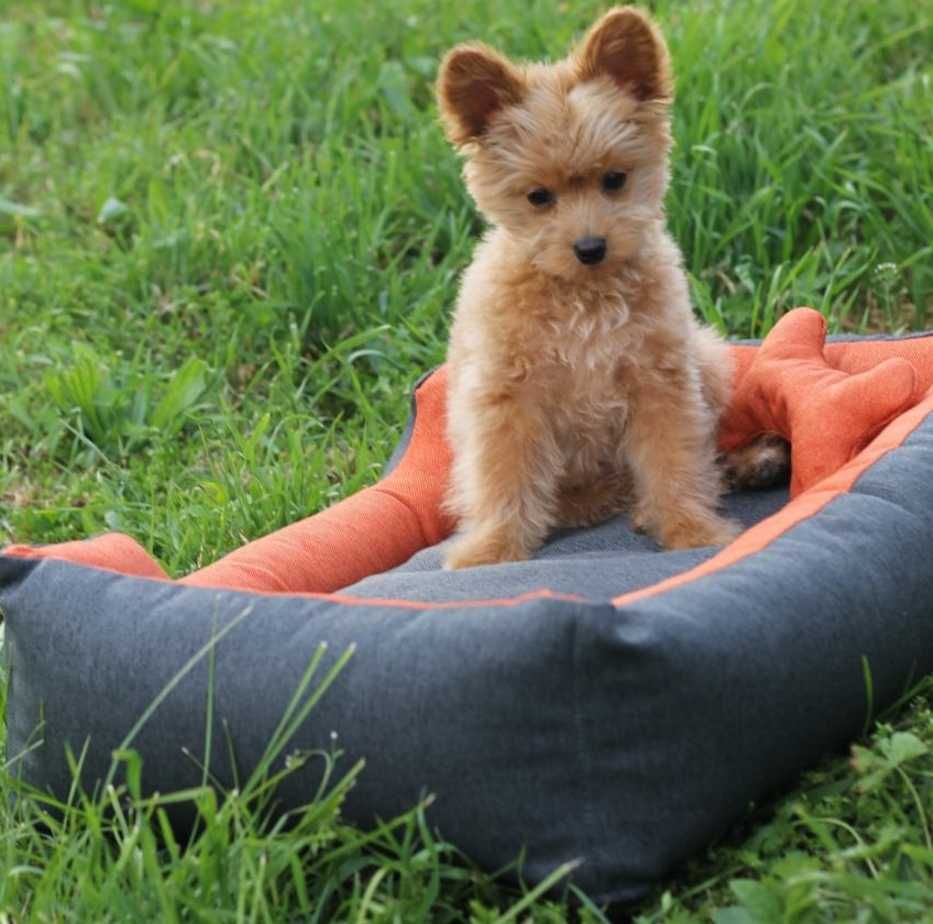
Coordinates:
(607,702)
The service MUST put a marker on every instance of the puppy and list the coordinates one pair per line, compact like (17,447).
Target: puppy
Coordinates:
(581,384)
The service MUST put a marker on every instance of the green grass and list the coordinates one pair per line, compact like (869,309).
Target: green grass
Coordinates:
(229,237)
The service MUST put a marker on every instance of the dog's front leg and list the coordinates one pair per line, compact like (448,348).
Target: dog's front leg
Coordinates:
(503,482)
(670,447)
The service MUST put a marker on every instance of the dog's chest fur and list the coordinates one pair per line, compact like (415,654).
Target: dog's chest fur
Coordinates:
(585,376)
(575,356)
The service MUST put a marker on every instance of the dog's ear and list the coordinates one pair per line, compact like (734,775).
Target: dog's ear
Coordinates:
(627,46)
(474,83)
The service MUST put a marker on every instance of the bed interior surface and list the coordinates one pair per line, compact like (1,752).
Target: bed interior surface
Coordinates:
(598,562)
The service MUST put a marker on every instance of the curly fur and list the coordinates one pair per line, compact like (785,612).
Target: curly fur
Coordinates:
(576,390)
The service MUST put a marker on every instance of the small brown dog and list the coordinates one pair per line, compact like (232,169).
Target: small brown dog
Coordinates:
(580,382)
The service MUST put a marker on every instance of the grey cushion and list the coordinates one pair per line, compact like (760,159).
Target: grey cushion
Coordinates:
(601,562)
(625,736)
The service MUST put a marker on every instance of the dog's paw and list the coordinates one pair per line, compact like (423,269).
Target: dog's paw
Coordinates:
(485,547)
(641,520)
(698,531)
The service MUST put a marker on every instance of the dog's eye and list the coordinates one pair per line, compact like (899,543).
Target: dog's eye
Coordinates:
(540,197)
(613,181)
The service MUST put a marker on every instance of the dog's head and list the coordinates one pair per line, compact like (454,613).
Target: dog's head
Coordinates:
(571,159)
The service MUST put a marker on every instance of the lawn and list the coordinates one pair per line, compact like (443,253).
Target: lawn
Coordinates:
(230,235)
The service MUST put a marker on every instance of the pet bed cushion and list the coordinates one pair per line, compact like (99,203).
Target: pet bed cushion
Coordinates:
(607,702)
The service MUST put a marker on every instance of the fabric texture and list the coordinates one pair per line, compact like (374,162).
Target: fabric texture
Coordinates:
(827,415)
(608,701)
(598,562)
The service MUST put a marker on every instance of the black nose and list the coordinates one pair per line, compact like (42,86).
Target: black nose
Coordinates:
(590,249)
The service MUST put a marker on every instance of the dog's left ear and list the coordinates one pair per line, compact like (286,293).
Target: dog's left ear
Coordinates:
(628,47)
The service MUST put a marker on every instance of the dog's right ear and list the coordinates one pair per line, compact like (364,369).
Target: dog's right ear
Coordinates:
(474,83)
